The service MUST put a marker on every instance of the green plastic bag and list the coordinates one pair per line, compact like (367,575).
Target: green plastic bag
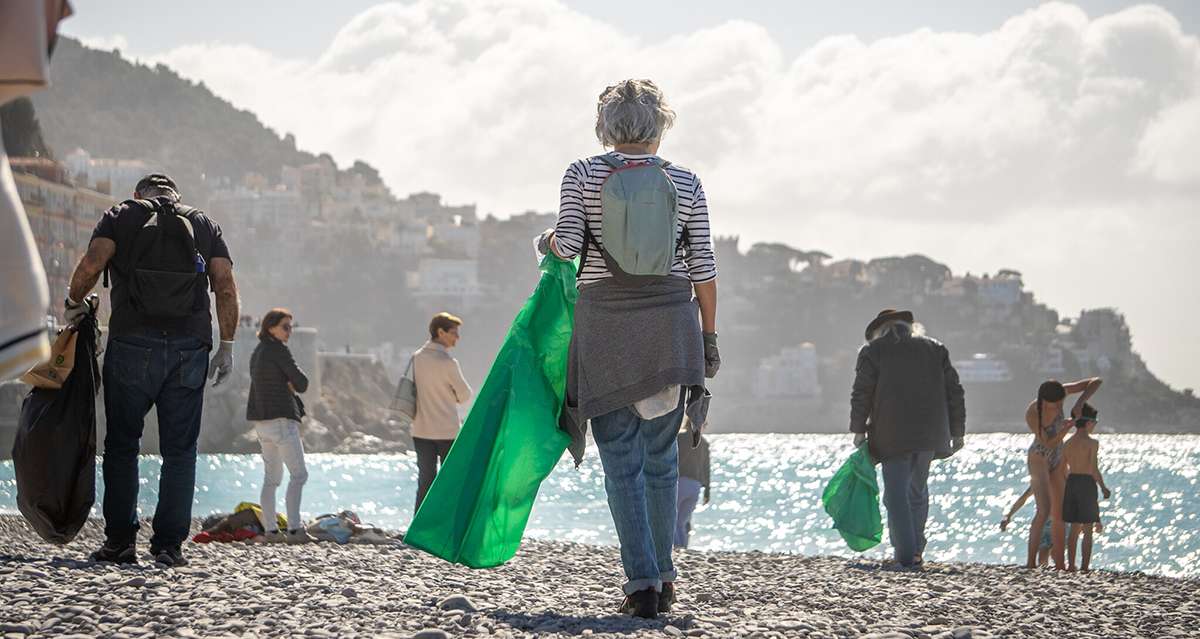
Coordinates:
(476,510)
(852,499)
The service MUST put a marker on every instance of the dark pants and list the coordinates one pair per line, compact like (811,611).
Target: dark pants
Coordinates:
(168,373)
(430,453)
(906,494)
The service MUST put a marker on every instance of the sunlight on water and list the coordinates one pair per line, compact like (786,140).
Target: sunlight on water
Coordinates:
(767,496)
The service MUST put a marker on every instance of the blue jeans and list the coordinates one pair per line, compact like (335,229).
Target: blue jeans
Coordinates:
(641,468)
(906,494)
(168,373)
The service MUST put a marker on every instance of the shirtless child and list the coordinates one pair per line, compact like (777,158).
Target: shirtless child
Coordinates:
(1081,506)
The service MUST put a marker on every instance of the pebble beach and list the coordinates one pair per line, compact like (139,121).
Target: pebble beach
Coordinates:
(556,589)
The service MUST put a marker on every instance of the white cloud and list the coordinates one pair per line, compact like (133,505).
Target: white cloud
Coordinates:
(1052,144)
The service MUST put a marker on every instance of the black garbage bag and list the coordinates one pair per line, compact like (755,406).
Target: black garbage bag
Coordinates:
(54,455)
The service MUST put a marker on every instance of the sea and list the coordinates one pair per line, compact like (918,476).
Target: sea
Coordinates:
(766,496)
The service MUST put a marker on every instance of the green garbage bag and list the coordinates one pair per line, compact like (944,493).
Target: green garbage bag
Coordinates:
(852,499)
(476,510)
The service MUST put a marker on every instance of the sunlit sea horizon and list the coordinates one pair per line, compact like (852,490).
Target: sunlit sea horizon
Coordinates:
(766,496)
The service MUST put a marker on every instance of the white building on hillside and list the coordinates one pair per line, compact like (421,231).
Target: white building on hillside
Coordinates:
(983,368)
(790,373)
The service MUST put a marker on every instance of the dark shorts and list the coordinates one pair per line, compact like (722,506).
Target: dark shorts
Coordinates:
(1081,500)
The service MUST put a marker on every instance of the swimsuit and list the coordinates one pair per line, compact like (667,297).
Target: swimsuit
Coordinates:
(1081,503)
(1053,456)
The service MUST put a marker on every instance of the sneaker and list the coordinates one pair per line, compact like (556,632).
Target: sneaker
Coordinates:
(666,598)
(273,537)
(115,554)
(169,557)
(643,603)
(300,536)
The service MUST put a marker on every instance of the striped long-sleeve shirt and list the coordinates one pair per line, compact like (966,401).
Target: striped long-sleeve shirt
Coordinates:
(579,204)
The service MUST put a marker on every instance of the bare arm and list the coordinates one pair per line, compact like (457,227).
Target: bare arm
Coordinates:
(1087,388)
(90,266)
(1096,471)
(220,273)
(1033,421)
(1017,505)
(706,295)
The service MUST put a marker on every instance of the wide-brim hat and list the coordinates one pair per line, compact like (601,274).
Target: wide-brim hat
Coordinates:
(887,315)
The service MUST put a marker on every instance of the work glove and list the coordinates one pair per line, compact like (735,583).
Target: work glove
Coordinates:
(543,241)
(712,356)
(859,438)
(222,363)
(956,444)
(74,311)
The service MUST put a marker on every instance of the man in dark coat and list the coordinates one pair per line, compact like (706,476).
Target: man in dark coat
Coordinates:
(908,404)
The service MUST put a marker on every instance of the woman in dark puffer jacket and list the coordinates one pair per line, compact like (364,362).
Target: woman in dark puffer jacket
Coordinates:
(275,410)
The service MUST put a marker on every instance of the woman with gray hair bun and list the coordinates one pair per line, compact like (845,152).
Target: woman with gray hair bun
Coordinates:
(645,325)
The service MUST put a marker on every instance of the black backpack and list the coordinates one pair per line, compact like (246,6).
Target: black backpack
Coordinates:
(164,270)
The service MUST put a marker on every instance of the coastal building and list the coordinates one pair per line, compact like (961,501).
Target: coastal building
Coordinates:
(790,373)
(446,283)
(1103,341)
(115,176)
(61,216)
(983,368)
(429,208)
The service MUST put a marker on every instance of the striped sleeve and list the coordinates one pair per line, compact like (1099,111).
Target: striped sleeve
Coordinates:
(572,217)
(701,262)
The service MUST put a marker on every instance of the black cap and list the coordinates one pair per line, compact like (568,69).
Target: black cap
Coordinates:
(156,180)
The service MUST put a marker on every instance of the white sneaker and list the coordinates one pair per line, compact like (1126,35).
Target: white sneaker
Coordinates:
(273,537)
(300,536)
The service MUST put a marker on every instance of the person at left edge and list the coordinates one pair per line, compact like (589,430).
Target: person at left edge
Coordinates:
(162,257)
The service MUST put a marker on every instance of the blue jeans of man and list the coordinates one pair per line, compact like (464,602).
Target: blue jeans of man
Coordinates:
(641,469)
(168,373)
(906,494)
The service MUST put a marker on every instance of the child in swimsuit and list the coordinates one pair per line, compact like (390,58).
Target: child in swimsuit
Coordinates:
(1043,557)
(1081,504)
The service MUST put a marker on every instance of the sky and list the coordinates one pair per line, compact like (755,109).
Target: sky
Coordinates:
(1057,139)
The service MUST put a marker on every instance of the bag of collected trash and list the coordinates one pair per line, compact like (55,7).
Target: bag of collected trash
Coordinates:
(54,455)
(476,510)
(852,500)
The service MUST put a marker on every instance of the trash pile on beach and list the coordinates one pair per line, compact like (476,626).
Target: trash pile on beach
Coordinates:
(556,589)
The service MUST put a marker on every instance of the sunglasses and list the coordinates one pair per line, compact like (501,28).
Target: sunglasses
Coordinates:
(287,328)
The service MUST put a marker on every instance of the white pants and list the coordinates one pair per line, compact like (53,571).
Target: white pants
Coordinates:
(281,445)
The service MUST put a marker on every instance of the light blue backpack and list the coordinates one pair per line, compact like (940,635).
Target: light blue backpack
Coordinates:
(639,221)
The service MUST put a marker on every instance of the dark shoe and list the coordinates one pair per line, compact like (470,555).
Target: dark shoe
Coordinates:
(643,603)
(116,554)
(666,598)
(169,557)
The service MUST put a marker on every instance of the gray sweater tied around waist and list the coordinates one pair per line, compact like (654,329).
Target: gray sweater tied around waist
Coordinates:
(630,343)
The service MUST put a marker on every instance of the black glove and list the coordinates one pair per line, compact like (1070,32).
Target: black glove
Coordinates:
(712,356)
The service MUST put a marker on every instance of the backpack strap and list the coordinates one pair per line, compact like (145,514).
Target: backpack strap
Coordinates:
(612,160)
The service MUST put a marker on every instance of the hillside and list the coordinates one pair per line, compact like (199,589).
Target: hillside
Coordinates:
(779,304)
(116,108)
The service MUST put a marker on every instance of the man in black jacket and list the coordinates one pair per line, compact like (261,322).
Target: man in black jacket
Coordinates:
(909,401)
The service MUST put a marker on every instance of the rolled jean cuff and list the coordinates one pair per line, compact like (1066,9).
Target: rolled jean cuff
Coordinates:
(637,585)
(668,577)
